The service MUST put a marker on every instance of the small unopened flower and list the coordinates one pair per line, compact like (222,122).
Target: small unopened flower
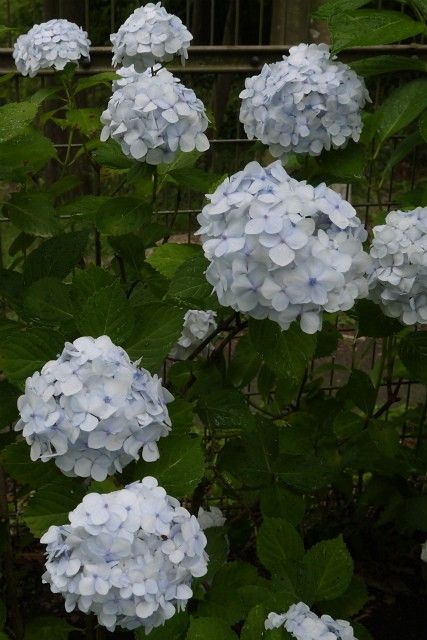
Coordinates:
(148,36)
(212,517)
(128,556)
(153,116)
(50,44)
(303,624)
(398,275)
(305,103)
(93,411)
(198,325)
(282,249)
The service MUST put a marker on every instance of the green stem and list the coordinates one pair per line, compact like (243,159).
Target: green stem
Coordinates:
(155,183)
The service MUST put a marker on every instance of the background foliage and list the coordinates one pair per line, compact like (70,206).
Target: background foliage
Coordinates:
(306,442)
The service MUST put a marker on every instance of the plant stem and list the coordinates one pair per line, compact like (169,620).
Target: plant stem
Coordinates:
(155,182)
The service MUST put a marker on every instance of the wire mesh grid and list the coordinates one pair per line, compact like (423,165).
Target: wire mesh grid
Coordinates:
(230,150)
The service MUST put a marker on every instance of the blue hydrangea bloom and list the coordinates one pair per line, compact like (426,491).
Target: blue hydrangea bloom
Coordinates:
(153,116)
(198,325)
(282,249)
(50,44)
(128,556)
(148,36)
(93,411)
(303,624)
(398,276)
(305,103)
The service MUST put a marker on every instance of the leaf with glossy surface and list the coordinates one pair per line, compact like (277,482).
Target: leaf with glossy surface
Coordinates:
(16,461)
(168,257)
(378,65)
(173,629)
(104,78)
(48,627)
(287,353)
(22,352)
(118,216)
(55,257)
(209,628)
(329,569)
(51,505)
(107,312)
(225,409)
(33,213)
(190,286)
(280,502)
(15,118)
(331,8)
(279,545)
(179,468)
(157,329)
(401,108)
(29,151)
(367,27)
(49,299)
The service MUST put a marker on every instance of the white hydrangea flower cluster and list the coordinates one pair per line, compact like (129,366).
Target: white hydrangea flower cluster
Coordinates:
(150,35)
(153,116)
(303,624)
(305,103)
(212,517)
(128,556)
(50,44)
(398,278)
(92,410)
(198,325)
(282,249)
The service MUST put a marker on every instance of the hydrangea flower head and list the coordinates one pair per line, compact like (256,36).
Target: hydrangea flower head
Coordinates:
(93,411)
(128,556)
(198,325)
(148,36)
(303,624)
(212,517)
(153,116)
(282,249)
(50,44)
(398,276)
(305,103)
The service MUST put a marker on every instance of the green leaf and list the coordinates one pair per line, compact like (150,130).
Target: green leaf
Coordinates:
(118,216)
(305,473)
(157,328)
(105,78)
(107,312)
(16,461)
(49,299)
(85,119)
(48,627)
(413,353)
(372,322)
(15,118)
(24,352)
(413,515)
(173,629)
(179,468)
(190,286)
(55,257)
(168,257)
(371,27)
(401,108)
(279,545)
(8,409)
(51,505)
(183,160)
(33,213)
(29,151)
(378,65)
(194,178)
(287,353)
(225,409)
(332,8)
(343,165)
(245,363)
(209,629)
(11,286)
(2,614)
(327,341)
(109,154)
(281,502)
(87,282)
(84,207)
(217,549)
(329,569)
(402,150)
(360,391)
(350,602)
(423,126)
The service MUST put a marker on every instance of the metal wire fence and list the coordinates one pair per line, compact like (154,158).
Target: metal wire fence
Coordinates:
(226,52)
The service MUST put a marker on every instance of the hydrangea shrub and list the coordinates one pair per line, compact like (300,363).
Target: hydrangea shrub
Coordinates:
(197,434)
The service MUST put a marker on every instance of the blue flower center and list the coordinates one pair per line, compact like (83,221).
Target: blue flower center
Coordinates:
(312,282)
